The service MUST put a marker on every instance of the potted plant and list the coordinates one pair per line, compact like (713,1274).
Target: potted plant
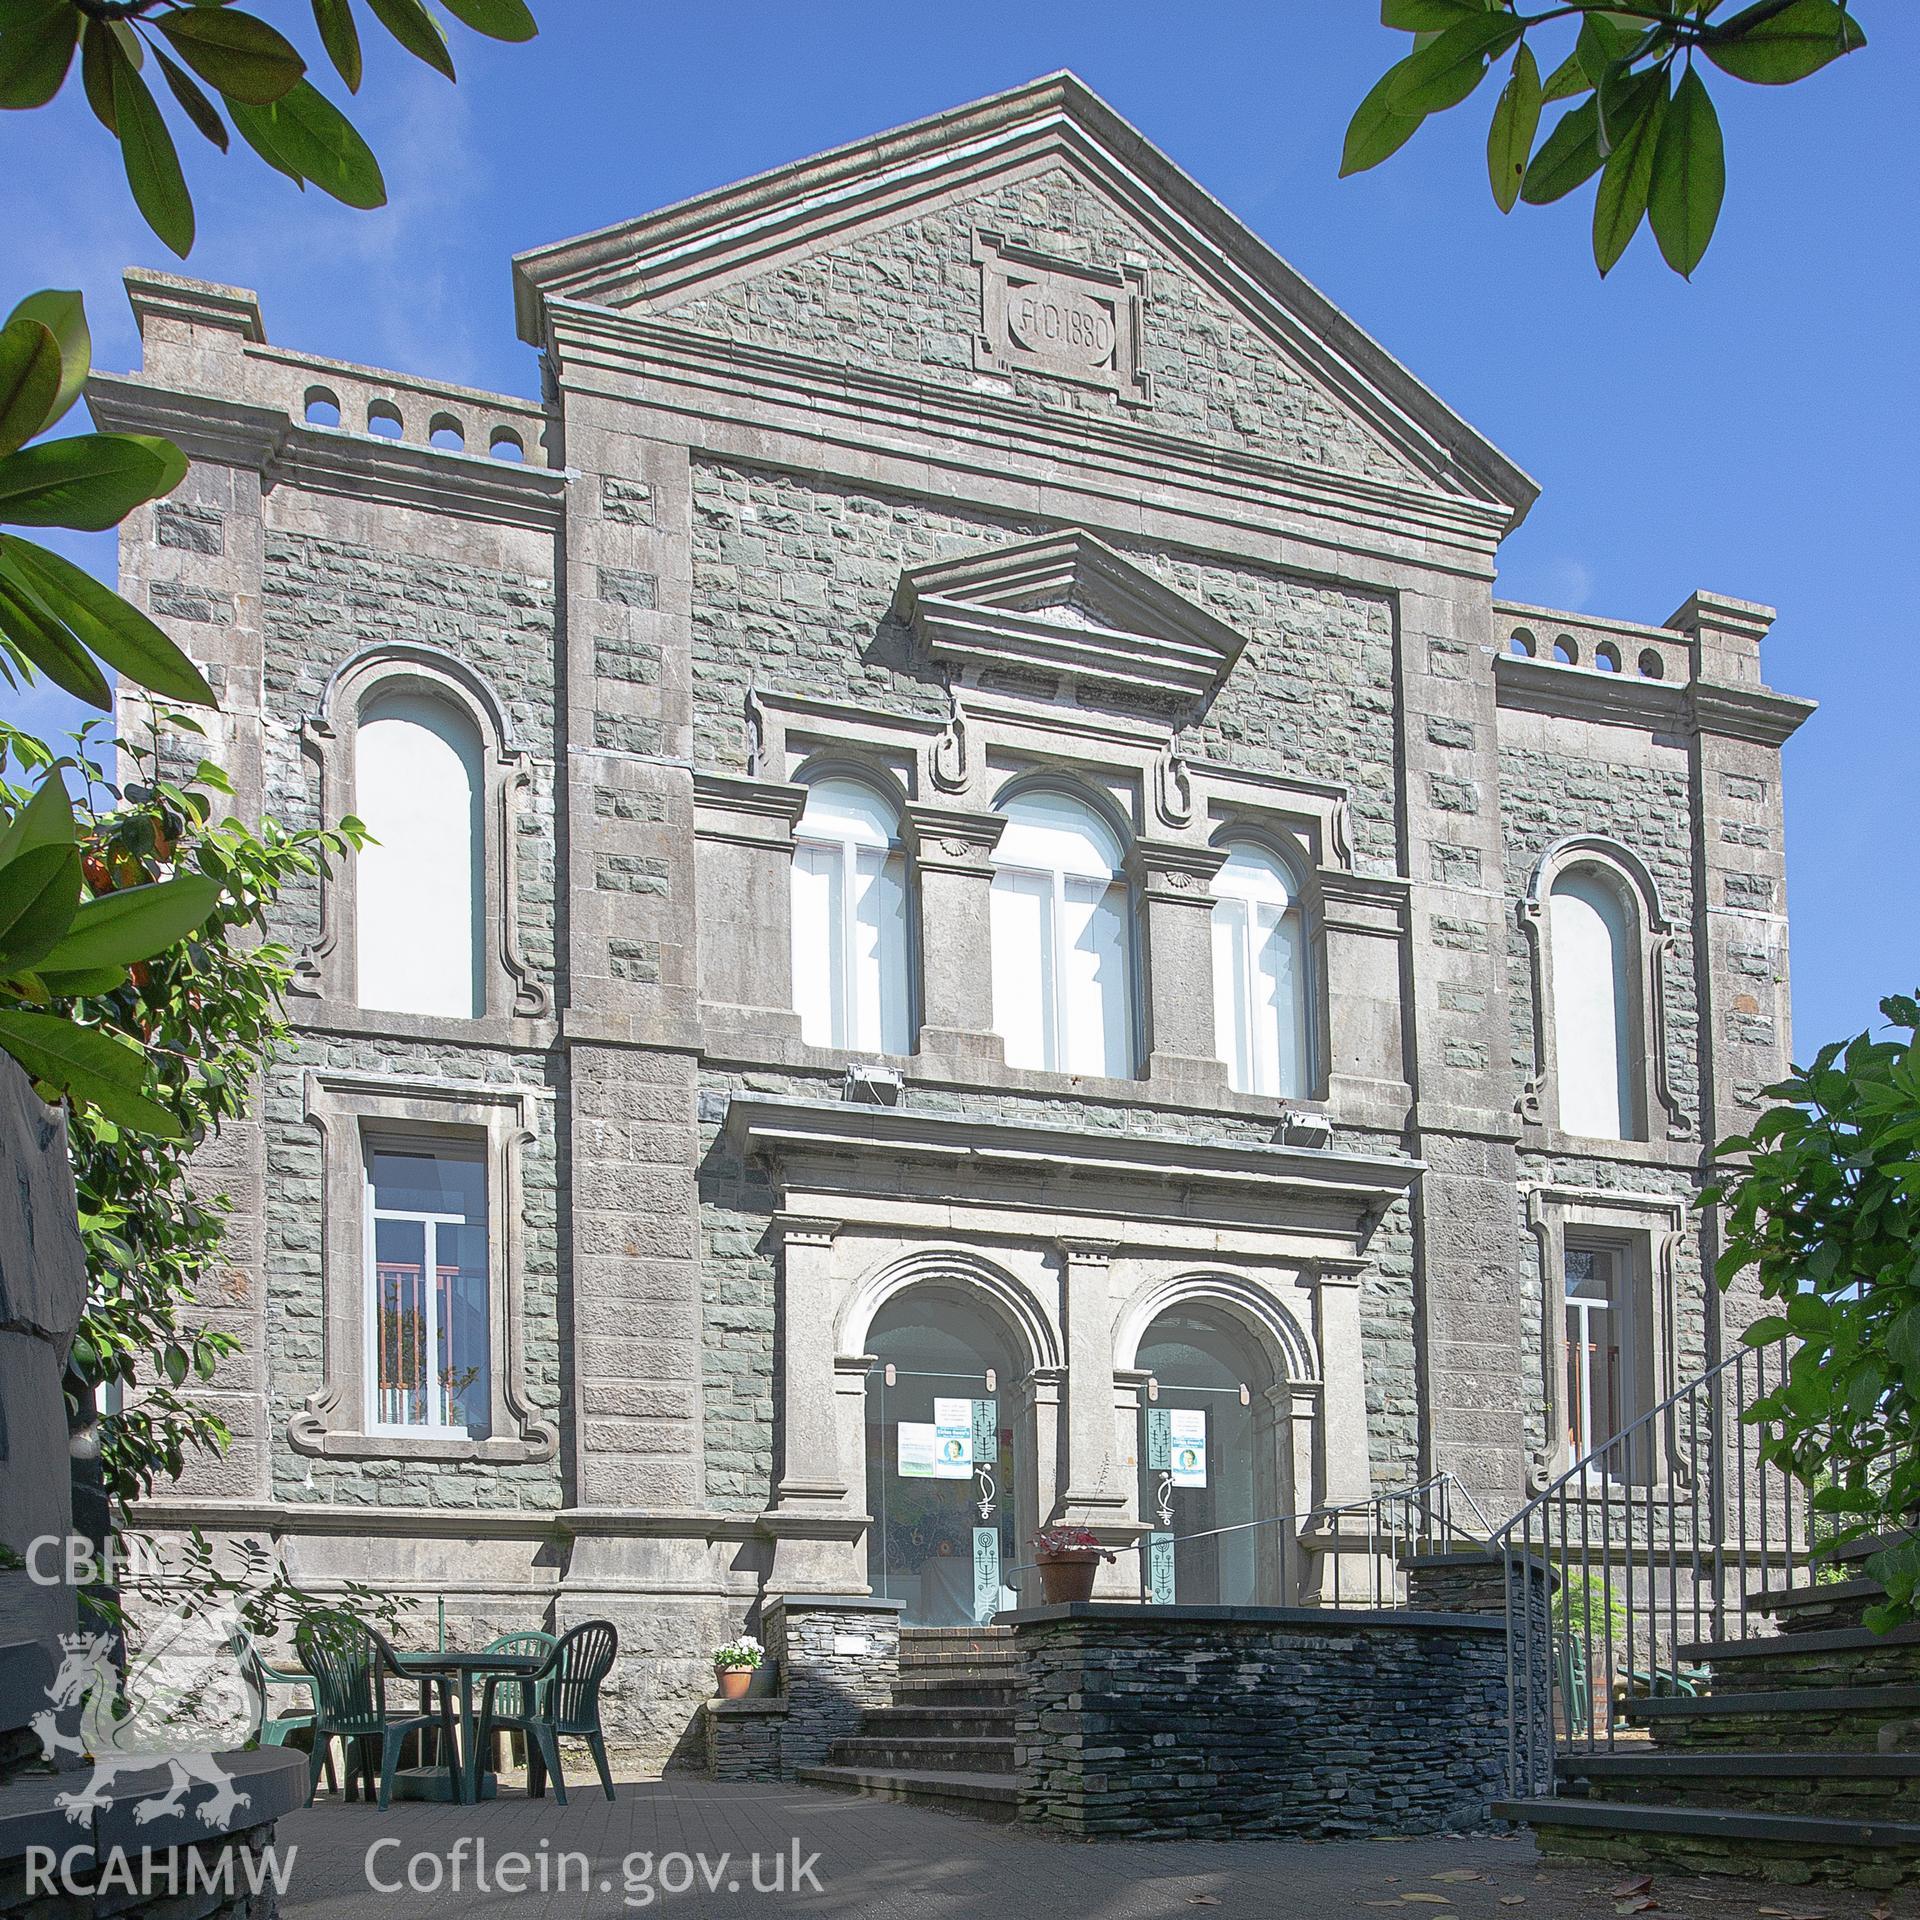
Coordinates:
(1068,1558)
(734,1665)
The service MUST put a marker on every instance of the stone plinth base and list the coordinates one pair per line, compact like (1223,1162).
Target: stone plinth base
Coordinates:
(744,1738)
(1179,1723)
(837,1655)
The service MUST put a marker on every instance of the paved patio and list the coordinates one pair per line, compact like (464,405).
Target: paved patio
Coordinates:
(906,1863)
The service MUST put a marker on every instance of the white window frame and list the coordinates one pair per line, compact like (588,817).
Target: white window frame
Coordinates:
(1616,1302)
(438,1395)
(1253,1064)
(1059,1027)
(849,1030)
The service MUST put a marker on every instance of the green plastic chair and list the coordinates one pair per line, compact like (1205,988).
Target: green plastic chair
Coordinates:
(532,1695)
(351,1665)
(276,1729)
(562,1697)
(1576,1682)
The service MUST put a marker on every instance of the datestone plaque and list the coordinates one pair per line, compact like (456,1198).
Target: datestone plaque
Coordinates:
(1063,318)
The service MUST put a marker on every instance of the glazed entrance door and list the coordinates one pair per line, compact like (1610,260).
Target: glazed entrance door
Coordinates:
(939,1460)
(1197,1478)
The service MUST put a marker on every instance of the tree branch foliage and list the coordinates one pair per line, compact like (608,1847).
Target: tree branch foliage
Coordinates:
(1822,1206)
(220,65)
(1640,114)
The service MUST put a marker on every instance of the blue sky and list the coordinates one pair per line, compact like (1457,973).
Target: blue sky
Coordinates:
(1749,433)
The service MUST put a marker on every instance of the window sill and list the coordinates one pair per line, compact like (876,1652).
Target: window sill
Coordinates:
(307,1435)
(1575,1146)
(483,1030)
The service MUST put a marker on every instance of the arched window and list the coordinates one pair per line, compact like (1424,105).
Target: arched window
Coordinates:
(850,979)
(418,786)
(1596,1019)
(1260,975)
(1062,946)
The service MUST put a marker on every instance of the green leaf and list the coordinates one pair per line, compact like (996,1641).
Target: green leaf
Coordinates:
(153,165)
(1903,1343)
(86,1065)
(1602,41)
(243,57)
(39,890)
(304,134)
(193,102)
(46,641)
(341,38)
(136,923)
(89,482)
(1621,203)
(1376,129)
(64,315)
(29,381)
(37,39)
(1689,176)
(416,30)
(1567,79)
(1774,49)
(1568,158)
(1442,74)
(1516,119)
(511,19)
(117,631)
(45,821)
(1411,16)
(1763,1333)
(77,986)
(100,53)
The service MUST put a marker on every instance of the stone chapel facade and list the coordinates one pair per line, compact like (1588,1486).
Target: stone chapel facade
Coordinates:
(959,819)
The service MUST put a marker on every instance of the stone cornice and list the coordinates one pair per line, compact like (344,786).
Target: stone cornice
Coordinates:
(1115,1176)
(735,807)
(737,400)
(330,460)
(953,839)
(1656,706)
(1178,870)
(1748,713)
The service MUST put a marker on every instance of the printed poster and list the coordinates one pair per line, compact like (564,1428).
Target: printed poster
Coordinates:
(952,1439)
(918,1449)
(1187,1433)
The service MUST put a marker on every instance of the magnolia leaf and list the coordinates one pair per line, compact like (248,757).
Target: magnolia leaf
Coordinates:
(1568,158)
(76,986)
(1443,73)
(64,315)
(307,137)
(117,929)
(39,890)
(152,163)
(30,628)
(117,631)
(193,101)
(29,381)
(511,20)
(341,38)
(100,53)
(1689,176)
(1516,119)
(1377,129)
(1565,81)
(91,481)
(1418,16)
(1621,203)
(86,1065)
(1775,49)
(416,30)
(36,48)
(45,821)
(243,57)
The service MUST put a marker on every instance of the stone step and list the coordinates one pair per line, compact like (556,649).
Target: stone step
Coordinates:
(937,1723)
(987,1796)
(1830,1657)
(1797,1719)
(1842,1785)
(1718,1839)
(956,1690)
(996,1662)
(984,1636)
(946,1753)
(1817,1607)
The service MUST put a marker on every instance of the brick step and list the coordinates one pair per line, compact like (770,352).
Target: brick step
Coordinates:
(1718,1839)
(1830,1657)
(987,1796)
(956,1690)
(947,1753)
(1796,1719)
(985,1636)
(1863,1786)
(937,1723)
(997,1667)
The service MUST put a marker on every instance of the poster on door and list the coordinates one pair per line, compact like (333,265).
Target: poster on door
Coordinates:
(917,1449)
(952,1439)
(1187,1438)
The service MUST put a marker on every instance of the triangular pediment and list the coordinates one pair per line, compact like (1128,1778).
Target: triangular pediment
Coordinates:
(1067,614)
(1032,246)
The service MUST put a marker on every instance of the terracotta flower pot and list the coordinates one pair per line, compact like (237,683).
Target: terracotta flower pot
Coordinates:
(1067,1577)
(734,1681)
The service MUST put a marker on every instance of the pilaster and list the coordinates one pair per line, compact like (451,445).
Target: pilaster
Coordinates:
(952,849)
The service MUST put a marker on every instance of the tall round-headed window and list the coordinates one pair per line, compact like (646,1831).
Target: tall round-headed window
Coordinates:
(1596,1013)
(418,786)
(1062,938)
(1260,1005)
(850,945)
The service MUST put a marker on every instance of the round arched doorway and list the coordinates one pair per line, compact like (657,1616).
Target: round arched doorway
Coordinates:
(940,1457)
(1212,1482)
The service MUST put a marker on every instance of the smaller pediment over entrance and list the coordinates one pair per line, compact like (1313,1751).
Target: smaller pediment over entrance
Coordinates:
(1066,615)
